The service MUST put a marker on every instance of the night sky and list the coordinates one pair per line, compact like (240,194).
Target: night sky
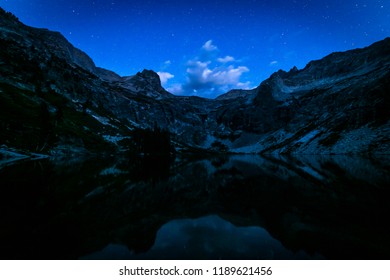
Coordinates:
(207,47)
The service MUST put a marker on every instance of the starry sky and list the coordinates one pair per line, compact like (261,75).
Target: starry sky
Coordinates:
(207,47)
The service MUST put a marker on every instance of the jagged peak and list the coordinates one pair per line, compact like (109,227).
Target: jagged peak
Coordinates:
(294,69)
(380,48)
(149,74)
(152,77)
(8,15)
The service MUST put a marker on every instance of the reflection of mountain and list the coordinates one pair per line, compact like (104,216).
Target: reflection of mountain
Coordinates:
(210,237)
(53,99)
(323,206)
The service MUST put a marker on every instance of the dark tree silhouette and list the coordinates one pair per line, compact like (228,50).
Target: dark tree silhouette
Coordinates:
(154,141)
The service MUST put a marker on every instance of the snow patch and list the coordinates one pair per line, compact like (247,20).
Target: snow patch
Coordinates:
(209,140)
(114,139)
(133,123)
(312,172)
(97,191)
(253,143)
(308,137)
(10,156)
(111,171)
(251,149)
(102,120)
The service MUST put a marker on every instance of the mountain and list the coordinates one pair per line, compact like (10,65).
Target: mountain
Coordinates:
(54,100)
(334,105)
(236,93)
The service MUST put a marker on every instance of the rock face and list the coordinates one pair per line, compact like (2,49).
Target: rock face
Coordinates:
(338,104)
(236,93)
(333,105)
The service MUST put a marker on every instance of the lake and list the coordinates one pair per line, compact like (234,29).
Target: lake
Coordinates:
(229,207)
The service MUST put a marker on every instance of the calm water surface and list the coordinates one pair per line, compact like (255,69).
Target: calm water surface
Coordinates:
(233,207)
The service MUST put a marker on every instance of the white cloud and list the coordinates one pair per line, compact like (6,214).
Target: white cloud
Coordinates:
(209,76)
(197,64)
(164,77)
(246,85)
(176,89)
(168,62)
(198,70)
(200,76)
(273,63)
(226,59)
(208,46)
(226,76)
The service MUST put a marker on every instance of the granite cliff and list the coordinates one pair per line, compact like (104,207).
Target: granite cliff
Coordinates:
(55,100)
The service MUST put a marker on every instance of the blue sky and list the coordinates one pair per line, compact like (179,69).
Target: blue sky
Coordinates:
(207,47)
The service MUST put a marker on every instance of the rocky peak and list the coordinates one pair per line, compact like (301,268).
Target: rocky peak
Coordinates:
(151,77)
(293,70)
(341,63)
(7,16)
(324,73)
(235,93)
(53,45)
(49,43)
(146,83)
(283,114)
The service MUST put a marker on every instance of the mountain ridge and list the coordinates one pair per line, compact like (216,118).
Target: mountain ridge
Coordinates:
(333,105)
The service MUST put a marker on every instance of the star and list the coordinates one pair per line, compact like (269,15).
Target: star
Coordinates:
(141,33)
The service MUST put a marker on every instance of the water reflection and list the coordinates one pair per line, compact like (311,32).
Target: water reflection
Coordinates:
(208,237)
(269,207)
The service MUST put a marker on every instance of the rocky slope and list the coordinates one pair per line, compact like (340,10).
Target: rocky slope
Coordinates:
(334,105)
(54,99)
(42,77)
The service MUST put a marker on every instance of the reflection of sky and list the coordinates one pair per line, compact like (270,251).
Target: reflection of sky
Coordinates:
(208,237)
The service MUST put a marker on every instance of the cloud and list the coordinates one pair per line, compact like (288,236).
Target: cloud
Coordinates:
(273,63)
(202,79)
(208,75)
(176,89)
(226,59)
(208,46)
(164,77)
(246,85)
(226,76)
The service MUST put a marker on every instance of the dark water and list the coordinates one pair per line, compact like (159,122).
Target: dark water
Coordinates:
(237,207)
(210,237)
